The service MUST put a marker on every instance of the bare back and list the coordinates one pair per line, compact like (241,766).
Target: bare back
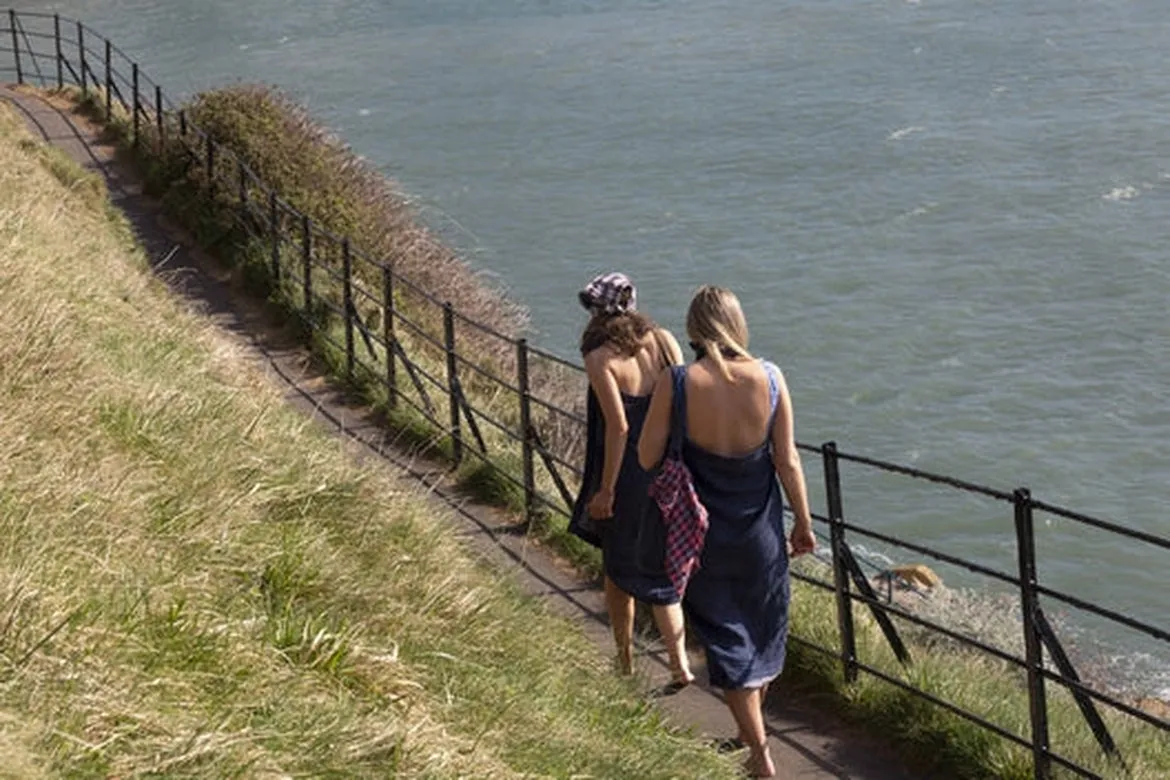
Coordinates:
(728,418)
(636,375)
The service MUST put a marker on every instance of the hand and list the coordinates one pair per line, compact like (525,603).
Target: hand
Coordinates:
(801,541)
(600,507)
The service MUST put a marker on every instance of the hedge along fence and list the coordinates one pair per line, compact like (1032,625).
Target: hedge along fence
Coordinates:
(415,329)
(383,302)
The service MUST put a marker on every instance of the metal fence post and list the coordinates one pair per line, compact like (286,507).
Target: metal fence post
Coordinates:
(15,45)
(274,226)
(529,462)
(57,48)
(840,567)
(452,381)
(347,304)
(388,336)
(1033,649)
(210,144)
(160,125)
(307,262)
(243,177)
(81,57)
(134,105)
(109,80)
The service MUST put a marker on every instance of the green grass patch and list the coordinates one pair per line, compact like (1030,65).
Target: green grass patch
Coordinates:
(318,175)
(196,582)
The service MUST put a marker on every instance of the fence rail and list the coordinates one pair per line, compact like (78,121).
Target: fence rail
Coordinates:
(415,356)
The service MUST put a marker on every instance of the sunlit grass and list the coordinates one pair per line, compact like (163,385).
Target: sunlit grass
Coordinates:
(929,737)
(195,581)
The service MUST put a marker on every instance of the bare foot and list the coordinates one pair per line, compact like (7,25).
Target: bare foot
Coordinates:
(671,688)
(625,661)
(759,763)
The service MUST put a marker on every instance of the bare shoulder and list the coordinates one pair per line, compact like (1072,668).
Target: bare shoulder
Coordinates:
(599,358)
(667,336)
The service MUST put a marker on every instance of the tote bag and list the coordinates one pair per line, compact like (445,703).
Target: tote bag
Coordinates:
(673,489)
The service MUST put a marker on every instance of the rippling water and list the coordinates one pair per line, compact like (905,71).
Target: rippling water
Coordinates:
(946,220)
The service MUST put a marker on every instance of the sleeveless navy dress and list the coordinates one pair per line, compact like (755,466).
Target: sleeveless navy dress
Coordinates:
(633,541)
(737,601)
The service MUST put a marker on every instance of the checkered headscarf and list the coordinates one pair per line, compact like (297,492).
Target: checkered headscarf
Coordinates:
(612,293)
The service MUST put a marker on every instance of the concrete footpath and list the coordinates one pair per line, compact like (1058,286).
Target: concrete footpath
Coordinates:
(805,743)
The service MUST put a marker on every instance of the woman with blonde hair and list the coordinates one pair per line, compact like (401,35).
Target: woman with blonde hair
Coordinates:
(737,434)
(624,353)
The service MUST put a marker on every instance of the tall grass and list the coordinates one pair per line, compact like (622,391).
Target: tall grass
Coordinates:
(339,192)
(195,581)
(940,744)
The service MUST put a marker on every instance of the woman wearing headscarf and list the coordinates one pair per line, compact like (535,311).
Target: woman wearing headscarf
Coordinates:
(624,352)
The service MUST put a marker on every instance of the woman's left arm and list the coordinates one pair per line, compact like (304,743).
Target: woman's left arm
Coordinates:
(786,461)
(656,429)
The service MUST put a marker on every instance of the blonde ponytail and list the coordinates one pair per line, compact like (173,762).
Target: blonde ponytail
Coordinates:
(715,323)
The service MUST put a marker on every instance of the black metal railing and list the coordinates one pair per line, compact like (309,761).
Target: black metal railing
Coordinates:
(425,350)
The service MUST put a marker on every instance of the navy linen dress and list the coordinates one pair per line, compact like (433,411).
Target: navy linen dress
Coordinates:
(632,541)
(737,601)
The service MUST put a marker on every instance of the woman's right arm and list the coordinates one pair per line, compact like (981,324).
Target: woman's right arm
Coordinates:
(669,345)
(786,461)
(656,429)
(617,429)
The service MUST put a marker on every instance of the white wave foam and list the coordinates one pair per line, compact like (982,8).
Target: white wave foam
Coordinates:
(918,211)
(1128,192)
(898,135)
(364,112)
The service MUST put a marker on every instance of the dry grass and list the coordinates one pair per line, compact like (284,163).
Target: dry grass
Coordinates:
(318,175)
(938,742)
(195,582)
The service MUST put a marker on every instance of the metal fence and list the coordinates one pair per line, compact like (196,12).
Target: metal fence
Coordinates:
(465,378)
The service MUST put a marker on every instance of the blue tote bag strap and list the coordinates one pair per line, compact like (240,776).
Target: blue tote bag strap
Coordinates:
(678,414)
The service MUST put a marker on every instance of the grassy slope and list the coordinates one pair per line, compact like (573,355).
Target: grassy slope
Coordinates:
(194,581)
(938,743)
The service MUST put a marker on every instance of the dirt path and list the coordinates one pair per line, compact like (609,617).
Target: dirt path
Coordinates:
(804,742)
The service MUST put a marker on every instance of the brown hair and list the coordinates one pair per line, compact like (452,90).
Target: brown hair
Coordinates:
(624,332)
(716,325)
